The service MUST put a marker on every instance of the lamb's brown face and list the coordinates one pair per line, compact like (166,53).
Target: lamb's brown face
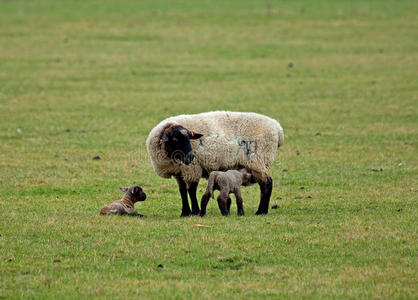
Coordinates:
(135,192)
(246,177)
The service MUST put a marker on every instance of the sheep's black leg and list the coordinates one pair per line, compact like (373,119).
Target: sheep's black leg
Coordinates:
(204,203)
(192,193)
(266,189)
(185,210)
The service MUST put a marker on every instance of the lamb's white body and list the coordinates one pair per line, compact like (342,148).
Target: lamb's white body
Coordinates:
(230,140)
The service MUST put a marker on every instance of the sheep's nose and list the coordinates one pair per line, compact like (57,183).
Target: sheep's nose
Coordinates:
(189,158)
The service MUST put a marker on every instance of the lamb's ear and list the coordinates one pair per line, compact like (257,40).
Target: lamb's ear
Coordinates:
(135,190)
(124,189)
(194,135)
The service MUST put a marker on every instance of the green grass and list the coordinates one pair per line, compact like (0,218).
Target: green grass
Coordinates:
(340,76)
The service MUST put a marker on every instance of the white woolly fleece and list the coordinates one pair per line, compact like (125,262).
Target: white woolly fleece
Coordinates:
(230,139)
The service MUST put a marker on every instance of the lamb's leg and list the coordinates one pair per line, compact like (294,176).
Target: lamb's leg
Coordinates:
(266,189)
(136,215)
(204,203)
(192,193)
(133,213)
(240,207)
(228,204)
(222,203)
(185,210)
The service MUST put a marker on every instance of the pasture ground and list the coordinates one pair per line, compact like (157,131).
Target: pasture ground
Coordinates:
(90,78)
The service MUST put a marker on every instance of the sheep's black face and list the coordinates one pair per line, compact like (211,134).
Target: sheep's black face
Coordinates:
(177,143)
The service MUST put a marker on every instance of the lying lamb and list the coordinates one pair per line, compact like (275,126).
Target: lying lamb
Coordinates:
(125,206)
(227,183)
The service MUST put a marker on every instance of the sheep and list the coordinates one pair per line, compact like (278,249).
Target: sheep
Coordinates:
(189,147)
(125,206)
(227,183)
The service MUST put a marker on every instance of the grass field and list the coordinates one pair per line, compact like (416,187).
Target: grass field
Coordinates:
(91,78)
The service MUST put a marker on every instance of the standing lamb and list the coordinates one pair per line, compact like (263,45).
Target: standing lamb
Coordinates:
(189,147)
(125,206)
(227,183)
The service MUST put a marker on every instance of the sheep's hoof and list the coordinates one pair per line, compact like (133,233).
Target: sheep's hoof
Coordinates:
(261,212)
(185,214)
(196,212)
(240,213)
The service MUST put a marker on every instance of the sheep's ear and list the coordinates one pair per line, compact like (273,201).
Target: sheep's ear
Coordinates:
(165,138)
(135,190)
(124,189)
(194,135)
